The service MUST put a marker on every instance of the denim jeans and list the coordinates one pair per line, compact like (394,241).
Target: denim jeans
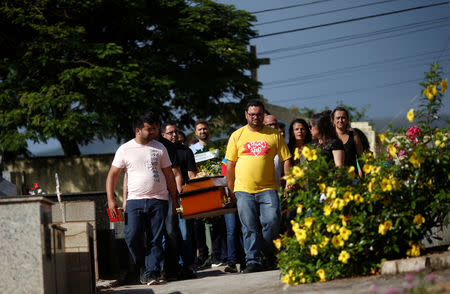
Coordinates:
(259,210)
(172,242)
(187,231)
(144,227)
(234,238)
(200,241)
(219,241)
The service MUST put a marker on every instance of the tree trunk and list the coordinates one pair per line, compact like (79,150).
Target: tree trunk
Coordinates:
(69,147)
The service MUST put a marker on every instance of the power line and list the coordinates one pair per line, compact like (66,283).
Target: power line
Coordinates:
(350,68)
(321,13)
(290,6)
(322,96)
(354,43)
(354,36)
(351,20)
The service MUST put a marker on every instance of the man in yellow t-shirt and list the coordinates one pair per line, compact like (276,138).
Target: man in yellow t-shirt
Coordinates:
(251,178)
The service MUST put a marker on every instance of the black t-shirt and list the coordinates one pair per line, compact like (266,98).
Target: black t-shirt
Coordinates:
(327,150)
(171,149)
(186,159)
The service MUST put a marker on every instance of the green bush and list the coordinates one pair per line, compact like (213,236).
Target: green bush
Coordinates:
(346,225)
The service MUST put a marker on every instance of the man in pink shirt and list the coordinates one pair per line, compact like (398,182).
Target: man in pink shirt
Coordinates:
(150,179)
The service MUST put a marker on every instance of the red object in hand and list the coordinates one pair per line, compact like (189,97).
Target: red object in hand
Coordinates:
(118,217)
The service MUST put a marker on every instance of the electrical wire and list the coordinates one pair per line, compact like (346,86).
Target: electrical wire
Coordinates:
(354,36)
(290,6)
(353,68)
(322,13)
(351,20)
(355,43)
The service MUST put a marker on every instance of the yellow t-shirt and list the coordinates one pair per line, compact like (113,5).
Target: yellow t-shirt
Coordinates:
(254,153)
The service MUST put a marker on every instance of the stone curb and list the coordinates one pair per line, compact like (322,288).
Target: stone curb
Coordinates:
(431,262)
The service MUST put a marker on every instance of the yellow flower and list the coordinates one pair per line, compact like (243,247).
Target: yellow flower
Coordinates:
(337,241)
(386,185)
(332,228)
(394,182)
(410,115)
(344,233)
(367,168)
(439,143)
(301,235)
(296,154)
(277,243)
(344,256)
(370,185)
(321,274)
(322,187)
(344,219)
(348,196)
(309,221)
(327,210)
(306,152)
(313,155)
(324,242)
(290,180)
(331,192)
(414,251)
(382,137)
(444,84)
(286,279)
(392,150)
(299,208)
(418,219)
(314,250)
(358,199)
(415,160)
(302,278)
(430,92)
(298,172)
(375,169)
(351,172)
(338,203)
(384,227)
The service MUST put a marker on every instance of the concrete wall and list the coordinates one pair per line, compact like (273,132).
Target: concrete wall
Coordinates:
(76,174)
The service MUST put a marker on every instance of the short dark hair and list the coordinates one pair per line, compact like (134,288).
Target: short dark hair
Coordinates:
(148,117)
(164,126)
(201,121)
(255,103)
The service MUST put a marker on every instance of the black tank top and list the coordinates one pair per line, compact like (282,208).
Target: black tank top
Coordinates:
(350,151)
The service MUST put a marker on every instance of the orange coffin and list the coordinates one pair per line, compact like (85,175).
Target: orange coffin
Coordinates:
(205,197)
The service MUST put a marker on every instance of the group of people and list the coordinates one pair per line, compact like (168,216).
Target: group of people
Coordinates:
(157,163)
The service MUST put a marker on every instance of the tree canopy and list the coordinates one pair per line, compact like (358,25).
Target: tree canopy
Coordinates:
(78,70)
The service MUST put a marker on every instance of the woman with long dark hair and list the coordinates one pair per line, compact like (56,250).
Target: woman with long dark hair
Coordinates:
(299,136)
(353,148)
(325,137)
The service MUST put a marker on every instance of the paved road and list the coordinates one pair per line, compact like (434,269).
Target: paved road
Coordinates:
(213,281)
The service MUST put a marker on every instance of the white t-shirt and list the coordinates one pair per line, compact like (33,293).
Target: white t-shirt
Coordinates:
(144,165)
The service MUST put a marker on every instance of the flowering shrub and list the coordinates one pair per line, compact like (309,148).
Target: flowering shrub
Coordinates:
(346,225)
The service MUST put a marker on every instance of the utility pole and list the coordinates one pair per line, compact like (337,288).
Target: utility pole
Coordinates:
(254,72)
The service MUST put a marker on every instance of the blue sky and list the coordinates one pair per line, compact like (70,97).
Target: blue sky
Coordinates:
(378,61)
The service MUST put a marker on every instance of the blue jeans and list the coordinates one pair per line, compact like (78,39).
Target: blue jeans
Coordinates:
(144,227)
(259,210)
(219,241)
(187,231)
(234,238)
